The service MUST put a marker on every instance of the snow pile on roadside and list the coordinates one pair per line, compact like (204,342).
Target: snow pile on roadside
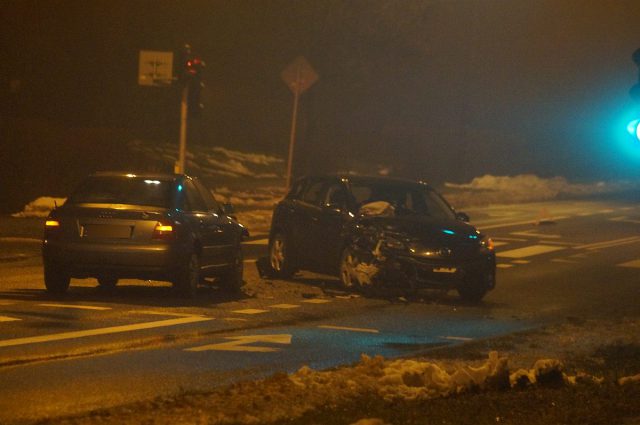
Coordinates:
(214,161)
(40,207)
(290,396)
(258,197)
(490,189)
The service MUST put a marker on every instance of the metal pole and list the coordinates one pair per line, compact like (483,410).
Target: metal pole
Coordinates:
(292,139)
(179,168)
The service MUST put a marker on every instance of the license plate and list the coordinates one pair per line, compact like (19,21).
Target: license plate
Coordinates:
(106,231)
(445,270)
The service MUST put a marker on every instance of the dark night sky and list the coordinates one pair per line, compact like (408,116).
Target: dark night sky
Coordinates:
(443,90)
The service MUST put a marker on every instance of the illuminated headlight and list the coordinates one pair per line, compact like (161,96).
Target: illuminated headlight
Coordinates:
(420,251)
(486,244)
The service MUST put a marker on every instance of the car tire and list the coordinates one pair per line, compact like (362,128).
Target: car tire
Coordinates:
(188,278)
(348,262)
(474,289)
(280,257)
(107,282)
(56,279)
(232,279)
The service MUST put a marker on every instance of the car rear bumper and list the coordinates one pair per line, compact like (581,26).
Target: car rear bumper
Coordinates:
(149,261)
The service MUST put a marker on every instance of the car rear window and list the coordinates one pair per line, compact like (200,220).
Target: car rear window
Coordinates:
(123,190)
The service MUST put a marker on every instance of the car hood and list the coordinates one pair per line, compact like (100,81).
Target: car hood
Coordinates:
(427,230)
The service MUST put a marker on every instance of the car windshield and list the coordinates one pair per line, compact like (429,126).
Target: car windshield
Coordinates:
(406,199)
(123,190)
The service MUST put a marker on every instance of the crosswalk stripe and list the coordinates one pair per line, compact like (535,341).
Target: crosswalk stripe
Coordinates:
(75,306)
(284,306)
(316,301)
(634,264)
(529,251)
(250,311)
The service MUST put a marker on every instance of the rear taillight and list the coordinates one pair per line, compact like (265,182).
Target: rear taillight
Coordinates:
(165,231)
(51,227)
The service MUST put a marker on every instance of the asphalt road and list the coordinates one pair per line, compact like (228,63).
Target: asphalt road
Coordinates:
(92,349)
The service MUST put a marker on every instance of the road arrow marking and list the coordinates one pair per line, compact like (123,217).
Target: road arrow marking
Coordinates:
(239,343)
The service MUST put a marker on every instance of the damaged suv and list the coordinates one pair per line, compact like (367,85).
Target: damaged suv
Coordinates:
(378,232)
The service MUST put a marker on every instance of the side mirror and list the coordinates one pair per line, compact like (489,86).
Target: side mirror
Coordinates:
(462,216)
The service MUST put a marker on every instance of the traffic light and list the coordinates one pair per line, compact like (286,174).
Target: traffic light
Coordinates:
(192,67)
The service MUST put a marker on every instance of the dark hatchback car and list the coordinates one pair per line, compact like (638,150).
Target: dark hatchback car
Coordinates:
(376,232)
(142,226)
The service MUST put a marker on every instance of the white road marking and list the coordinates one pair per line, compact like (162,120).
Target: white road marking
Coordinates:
(238,343)
(160,313)
(521,261)
(346,328)
(509,239)
(8,319)
(536,235)
(625,220)
(75,306)
(558,243)
(250,261)
(235,319)
(634,264)
(284,306)
(504,266)
(457,338)
(2,302)
(606,211)
(516,223)
(497,244)
(528,251)
(257,242)
(102,331)
(250,311)
(316,301)
(609,244)
(564,260)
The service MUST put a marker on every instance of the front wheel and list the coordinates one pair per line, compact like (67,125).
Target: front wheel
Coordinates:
(348,274)
(280,257)
(474,289)
(56,279)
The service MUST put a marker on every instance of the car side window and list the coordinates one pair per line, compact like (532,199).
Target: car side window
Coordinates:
(207,196)
(314,194)
(194,200)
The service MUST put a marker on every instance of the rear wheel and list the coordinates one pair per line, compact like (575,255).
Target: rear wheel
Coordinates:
(280,257)
(188,277)
(232,279)
(56,279)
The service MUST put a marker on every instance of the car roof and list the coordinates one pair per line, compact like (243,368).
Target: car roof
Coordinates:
(143,174)
(356,178)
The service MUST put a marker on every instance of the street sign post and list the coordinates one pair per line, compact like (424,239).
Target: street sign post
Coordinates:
(299,75)
(155,68)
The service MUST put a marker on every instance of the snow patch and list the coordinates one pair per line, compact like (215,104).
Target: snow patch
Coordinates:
(40,207)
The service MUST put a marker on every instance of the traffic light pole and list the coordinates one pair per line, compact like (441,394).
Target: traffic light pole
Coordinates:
(179,167)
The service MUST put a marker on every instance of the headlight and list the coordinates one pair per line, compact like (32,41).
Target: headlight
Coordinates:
(419,250)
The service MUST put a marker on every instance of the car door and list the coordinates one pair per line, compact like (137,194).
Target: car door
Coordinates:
(207,227)
(230,237)
(305,213)
(328,225)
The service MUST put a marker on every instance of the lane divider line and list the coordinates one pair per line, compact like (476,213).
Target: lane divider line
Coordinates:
(349,329)
(457,338)
(316,301)
(609,244)
(250,311)
(102,331)
(504,266)
(284,306)
(8,319)
(75,306)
